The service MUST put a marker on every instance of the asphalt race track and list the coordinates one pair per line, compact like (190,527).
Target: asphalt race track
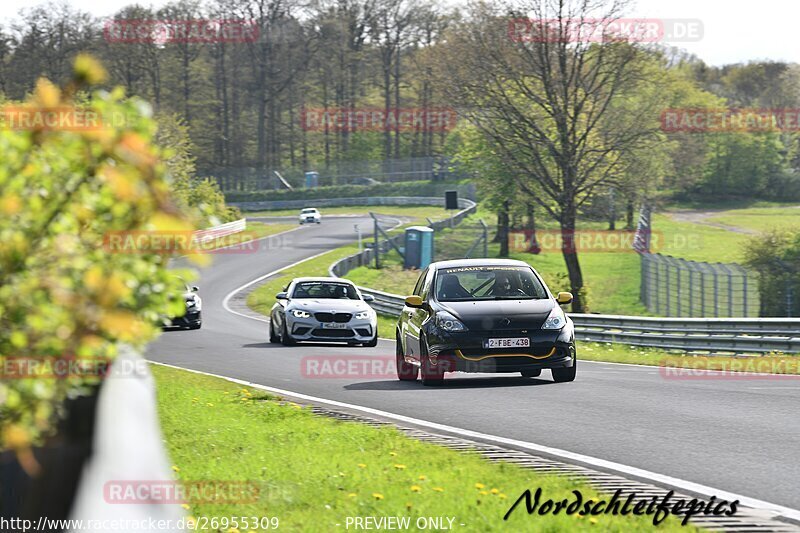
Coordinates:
(734,435)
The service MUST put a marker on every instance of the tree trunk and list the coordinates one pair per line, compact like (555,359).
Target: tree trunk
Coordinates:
(502,228)
(186,87)
(398,56)
(327,130)
(612,210)
(570,253)
(387,102)
(629,215)
(533,243)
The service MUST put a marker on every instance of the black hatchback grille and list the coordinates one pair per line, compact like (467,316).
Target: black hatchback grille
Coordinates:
(333,317)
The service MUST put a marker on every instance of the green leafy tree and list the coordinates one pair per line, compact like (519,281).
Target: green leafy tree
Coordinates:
(200,196)
(775,256)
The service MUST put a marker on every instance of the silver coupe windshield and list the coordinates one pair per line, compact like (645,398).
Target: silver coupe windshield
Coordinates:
(324,289)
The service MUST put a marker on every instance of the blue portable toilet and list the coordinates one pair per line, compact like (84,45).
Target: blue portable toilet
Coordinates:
(312,179)
(419,247)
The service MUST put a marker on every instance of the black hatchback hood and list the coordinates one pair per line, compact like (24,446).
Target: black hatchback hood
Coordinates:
(492,315)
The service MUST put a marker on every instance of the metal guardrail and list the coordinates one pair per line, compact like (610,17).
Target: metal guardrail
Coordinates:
(713,335)
(222,230)
(267,205)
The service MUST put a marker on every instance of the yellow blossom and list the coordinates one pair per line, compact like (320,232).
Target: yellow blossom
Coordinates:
(10,204)
(89,70)
(415,488)
(377,495)
(479,486)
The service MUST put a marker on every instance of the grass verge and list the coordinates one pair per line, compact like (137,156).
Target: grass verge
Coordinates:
(772,363)
(314,472)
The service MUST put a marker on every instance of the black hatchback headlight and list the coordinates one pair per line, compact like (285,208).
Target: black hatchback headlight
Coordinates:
(555,320)
(448,322)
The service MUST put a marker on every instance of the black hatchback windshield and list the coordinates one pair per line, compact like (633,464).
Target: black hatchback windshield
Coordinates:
(488,283)
(322,289)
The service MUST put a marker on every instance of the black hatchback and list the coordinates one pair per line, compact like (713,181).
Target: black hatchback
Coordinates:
(484,315)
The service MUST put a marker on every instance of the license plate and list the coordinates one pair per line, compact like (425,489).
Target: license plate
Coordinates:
(516,342)
(334,325)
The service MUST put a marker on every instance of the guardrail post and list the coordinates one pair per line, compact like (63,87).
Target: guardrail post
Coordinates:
(744,294)
(377,243)
(730,293)
(657,287)
(667,289)
(702,293)
(678,289)
(643,273)
(702,290)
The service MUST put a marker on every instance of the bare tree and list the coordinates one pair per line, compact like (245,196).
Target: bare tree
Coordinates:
(550,101)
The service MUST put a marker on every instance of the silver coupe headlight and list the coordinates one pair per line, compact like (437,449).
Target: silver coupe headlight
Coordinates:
(363,315)
(298,313)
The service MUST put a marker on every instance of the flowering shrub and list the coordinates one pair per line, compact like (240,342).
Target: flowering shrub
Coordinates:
(62,296)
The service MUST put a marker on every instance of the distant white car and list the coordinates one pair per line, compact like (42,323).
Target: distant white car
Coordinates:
(310,215)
